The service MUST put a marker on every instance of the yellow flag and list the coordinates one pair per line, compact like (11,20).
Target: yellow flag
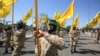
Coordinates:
(67,14)
(4,11)
(44,19)
(7,2)
(24,19)
(7,10)
(93,22)
(98,17)
(29,14)
(99,20)
(1,4)
(76,21)
(57,16)
(90,24)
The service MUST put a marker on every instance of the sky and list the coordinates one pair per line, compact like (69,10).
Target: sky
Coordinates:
(86,9)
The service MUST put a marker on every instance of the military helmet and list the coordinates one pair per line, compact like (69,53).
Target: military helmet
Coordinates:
(54,23)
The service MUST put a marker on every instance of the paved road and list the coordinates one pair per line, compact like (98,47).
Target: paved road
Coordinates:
(85,47)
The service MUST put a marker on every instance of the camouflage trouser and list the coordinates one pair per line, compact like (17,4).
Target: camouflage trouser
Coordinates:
(17,50)
(97,39)
(78,35)
(92,35)
(7,44)
(73,42)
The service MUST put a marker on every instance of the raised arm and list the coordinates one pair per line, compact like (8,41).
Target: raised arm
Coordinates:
(55,40)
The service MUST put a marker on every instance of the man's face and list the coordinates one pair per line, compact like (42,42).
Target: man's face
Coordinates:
(50,27)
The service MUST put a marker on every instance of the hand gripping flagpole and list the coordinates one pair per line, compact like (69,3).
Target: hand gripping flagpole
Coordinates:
(36,17)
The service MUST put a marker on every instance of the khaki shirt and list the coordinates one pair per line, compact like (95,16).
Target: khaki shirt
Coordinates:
(3,34)
(73,33)
(8,35)
(50,45)
(19,37)
(97,34)
(61,33)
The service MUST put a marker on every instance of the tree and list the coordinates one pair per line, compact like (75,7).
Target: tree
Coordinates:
(68,28)
(87,28)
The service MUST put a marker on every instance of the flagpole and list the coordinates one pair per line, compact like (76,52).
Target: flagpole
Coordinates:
(12,22)
(88,14)
(36,17)
(32,22)
(3,23)
(4,19)
(73,11)
(32,17)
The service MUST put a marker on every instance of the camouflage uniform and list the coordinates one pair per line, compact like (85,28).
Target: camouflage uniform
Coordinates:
(97,36)
(78,34)
(3,34)
(61,33)
(19,42)
(50,45)
(92,33)
(8,36)
(73,40)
